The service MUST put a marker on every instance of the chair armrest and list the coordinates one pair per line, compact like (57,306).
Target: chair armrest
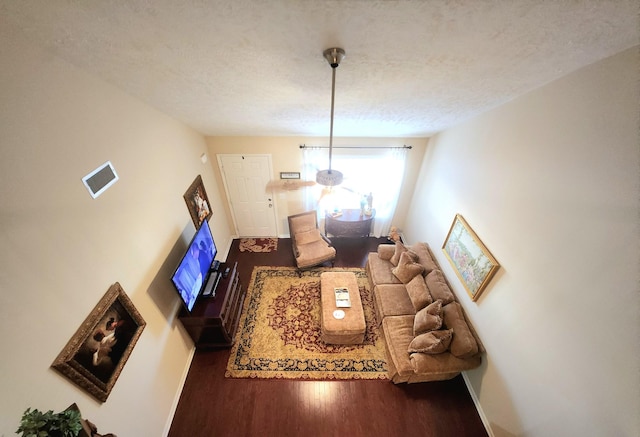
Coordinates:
(325,238)
(294,246)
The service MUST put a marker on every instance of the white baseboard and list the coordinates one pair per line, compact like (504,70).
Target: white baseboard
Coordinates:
(476,402)
(176,399)
(223,252)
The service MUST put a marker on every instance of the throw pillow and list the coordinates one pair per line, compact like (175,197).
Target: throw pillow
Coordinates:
(463,344)
(438,287)
(308,236)
(428,318)
(418,292)
(407,269)
(434,342)
(399,250)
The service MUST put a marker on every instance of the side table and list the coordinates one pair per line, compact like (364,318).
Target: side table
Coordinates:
(348,223)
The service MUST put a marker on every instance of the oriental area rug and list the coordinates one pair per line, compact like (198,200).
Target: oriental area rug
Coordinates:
(279,332)
(258,244)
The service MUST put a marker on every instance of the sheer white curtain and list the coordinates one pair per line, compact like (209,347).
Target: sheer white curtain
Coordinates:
(378,171)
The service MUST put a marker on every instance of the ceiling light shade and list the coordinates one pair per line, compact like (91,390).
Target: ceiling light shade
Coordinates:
(330,178)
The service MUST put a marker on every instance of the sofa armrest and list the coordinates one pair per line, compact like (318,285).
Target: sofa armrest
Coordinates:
(442,364)
(386,251)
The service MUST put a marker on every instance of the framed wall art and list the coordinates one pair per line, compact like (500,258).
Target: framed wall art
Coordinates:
(94,357)
(470,259)
(198,202)
(289,175)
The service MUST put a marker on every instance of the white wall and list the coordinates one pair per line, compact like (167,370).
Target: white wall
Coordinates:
(286,155)
(61,250)
(550,183)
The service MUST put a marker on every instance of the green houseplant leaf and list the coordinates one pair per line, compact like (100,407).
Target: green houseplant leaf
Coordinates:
(35,423)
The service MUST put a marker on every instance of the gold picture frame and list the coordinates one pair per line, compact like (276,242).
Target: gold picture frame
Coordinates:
(471,260)
(96,354)
(198,202)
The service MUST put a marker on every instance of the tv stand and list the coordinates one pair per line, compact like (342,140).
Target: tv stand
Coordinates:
(213,322)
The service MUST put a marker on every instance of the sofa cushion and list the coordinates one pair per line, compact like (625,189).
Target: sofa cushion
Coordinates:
(399,249)
(428,319)
(433,342)
(386,251)
(307,237)
(438,287)
(391,300)
(407,268)
(425,257)
(380,271)
(418,292)
(398,333)
(463,343)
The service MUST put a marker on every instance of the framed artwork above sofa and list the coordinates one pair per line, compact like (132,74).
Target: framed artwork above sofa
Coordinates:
(471,260)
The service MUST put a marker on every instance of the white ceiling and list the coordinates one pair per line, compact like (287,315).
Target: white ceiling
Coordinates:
(255,67)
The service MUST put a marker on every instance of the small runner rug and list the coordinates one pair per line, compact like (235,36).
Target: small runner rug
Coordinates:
(258,244)
(279,332)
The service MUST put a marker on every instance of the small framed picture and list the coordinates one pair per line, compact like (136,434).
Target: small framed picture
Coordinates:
(94,357)
(289,175)
(198,202)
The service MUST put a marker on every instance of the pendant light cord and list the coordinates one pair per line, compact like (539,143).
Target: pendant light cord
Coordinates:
(330,177)
(333,93)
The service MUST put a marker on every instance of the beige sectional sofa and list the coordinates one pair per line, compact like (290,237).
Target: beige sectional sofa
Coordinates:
(427,335)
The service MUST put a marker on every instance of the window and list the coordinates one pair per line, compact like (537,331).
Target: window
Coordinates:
(378,171)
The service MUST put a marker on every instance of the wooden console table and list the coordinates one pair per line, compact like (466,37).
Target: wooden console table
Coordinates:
(351,223)
(213,321)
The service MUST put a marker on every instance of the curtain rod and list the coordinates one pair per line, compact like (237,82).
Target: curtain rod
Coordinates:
(304,146)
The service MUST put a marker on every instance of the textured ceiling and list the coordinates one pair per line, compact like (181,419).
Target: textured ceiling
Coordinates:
(243,67)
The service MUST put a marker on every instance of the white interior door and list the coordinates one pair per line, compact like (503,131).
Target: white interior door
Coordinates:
(245,179)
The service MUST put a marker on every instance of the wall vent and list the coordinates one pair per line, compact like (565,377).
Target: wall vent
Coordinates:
(100,179)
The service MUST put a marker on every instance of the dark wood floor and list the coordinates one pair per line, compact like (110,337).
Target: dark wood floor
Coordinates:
(212,405)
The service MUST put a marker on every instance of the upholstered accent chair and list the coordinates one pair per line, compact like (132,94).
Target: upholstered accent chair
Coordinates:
(310,247)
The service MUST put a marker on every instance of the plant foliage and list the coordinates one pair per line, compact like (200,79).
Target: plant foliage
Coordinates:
(35,423)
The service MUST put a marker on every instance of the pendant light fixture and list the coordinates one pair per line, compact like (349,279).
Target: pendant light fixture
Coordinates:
(330,177)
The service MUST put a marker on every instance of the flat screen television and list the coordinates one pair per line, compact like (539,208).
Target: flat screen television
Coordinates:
(196,266)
